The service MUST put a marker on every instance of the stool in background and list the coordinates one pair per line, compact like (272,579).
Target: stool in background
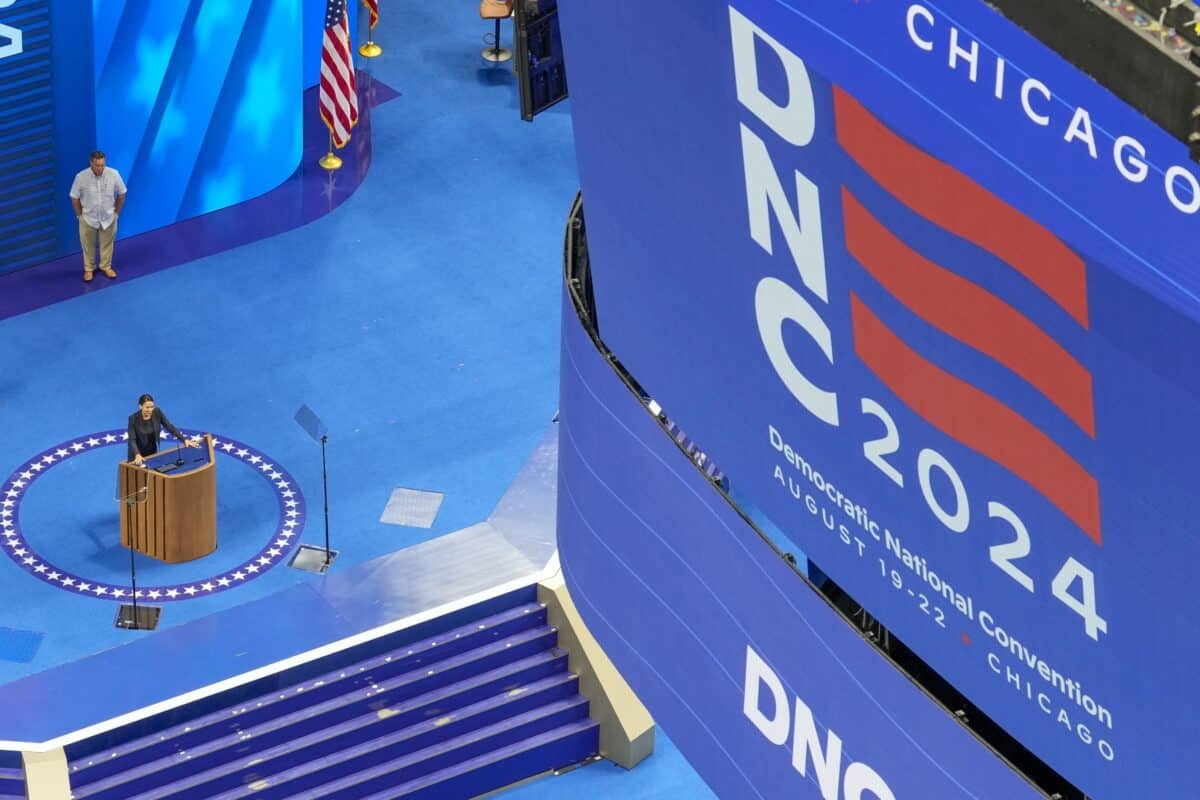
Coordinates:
(496,10)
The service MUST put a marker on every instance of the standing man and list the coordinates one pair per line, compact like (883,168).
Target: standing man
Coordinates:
(98,194)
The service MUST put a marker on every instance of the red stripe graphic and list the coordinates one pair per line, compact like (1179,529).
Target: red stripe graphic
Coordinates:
(951,200)
(977,420)
(970,314)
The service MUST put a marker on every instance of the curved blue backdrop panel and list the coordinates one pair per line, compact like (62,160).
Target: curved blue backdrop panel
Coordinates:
(927,295)
(761,683)
(198,103)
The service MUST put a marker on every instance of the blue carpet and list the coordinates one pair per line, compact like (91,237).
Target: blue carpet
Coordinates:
(420,320)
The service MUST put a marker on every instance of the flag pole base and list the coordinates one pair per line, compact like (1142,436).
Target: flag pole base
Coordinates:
(330,161)
(370,50)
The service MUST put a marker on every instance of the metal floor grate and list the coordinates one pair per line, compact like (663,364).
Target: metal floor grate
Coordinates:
(412,507)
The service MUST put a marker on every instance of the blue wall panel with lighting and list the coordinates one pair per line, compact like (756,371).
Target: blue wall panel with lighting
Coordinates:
(198,104)
(29,128)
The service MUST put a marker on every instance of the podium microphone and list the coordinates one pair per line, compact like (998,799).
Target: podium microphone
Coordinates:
(179,460)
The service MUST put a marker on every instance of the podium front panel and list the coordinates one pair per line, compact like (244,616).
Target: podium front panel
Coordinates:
(174,519)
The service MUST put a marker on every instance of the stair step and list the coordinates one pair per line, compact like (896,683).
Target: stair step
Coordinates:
(390,706)
(182,736)
(378,765)
(560,747)
(537,644)
(12,782)
(412,726)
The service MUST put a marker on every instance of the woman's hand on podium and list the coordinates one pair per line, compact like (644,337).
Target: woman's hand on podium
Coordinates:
(138,460)
(192,442)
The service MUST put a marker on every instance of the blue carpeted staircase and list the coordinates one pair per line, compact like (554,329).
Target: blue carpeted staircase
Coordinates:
(479,704)
(12,777)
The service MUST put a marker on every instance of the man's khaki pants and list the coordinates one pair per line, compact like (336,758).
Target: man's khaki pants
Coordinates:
(88,236)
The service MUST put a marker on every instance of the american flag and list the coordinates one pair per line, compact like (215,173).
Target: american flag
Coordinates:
(339,94)
(373,9)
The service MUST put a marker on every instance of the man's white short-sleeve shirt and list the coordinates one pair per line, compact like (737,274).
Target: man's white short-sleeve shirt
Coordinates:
(98,195)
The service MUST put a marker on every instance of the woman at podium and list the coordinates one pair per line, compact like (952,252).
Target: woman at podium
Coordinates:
(145,428)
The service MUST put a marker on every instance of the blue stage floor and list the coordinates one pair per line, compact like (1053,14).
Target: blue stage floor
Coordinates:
(419,319)
(513,548)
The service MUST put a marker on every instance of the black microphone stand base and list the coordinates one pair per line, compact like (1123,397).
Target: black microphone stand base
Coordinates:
(311,558)
(138,618)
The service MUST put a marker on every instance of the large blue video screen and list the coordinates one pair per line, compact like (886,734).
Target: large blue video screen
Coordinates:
(756,678)
(926,294)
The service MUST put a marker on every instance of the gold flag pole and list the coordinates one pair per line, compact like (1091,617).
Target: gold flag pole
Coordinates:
(330,161)
(370,49)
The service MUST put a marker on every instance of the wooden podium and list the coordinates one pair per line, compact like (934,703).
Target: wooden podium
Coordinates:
(177,520)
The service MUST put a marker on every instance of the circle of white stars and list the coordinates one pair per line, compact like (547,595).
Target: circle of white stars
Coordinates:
(283,541)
